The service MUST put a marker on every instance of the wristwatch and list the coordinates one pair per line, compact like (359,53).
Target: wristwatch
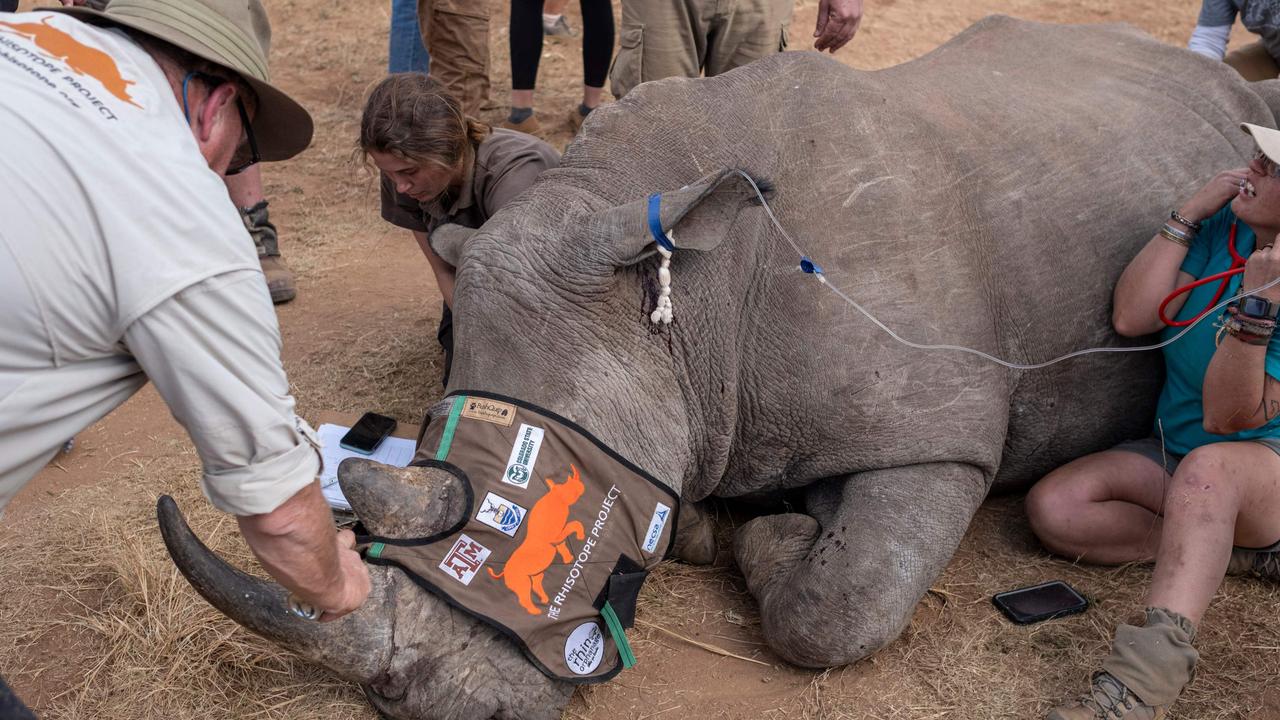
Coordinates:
(1252,306)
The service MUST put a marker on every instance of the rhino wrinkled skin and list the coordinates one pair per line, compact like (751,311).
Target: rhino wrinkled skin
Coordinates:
(986,195)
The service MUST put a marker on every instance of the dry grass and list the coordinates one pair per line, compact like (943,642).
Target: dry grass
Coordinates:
(144,645)
(106,615)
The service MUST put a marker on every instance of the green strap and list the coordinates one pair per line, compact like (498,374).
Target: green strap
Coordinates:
(619,636)
(450,426)
(375,550)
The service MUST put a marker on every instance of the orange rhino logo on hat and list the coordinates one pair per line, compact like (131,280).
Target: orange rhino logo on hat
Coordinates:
(546,530)
(80,58)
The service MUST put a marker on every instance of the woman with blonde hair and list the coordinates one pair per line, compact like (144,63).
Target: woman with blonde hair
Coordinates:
(440,167)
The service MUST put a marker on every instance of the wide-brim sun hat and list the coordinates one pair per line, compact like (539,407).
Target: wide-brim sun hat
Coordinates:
(1267,139)
(232,33)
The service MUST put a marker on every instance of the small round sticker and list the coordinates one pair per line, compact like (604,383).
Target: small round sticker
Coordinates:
(584,649)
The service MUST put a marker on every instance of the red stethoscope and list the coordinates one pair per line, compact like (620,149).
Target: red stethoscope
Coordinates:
(1237,267)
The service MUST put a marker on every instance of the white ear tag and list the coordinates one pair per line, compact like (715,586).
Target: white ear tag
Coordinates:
(662,313)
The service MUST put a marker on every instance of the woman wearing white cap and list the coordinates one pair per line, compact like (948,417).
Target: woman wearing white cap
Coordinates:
(1202,495)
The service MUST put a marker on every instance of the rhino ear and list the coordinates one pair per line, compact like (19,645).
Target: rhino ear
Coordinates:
(697,216)
(448,240)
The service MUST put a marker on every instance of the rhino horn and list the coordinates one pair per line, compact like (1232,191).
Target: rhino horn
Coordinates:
(356,646)
(413,502)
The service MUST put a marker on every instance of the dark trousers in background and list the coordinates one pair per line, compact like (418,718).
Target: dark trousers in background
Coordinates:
(8,6)
(445,335)
(11,708)
(526,42)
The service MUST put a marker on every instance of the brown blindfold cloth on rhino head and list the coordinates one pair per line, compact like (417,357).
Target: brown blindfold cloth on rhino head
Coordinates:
(559,536)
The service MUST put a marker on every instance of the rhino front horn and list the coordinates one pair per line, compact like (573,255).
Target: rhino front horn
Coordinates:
(356,647)
(411,502)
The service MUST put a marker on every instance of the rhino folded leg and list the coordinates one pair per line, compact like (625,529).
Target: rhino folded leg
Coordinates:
(695,534)
(838,586)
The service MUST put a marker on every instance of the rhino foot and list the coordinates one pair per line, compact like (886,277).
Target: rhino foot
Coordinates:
(769,548)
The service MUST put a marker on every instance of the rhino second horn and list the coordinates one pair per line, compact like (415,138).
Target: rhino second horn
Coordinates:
(411,502)
(356,646)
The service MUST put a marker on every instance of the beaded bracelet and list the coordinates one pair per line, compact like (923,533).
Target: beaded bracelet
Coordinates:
(1237,330)
(1175,215)
(1173,235)
(1256,326)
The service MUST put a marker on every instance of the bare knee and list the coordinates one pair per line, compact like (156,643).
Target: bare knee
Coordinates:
(1204,476)
(1051,506)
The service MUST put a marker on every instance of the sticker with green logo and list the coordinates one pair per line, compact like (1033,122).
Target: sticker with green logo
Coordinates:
(524,455)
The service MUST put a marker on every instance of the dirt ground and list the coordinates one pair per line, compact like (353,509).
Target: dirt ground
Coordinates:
(95,622)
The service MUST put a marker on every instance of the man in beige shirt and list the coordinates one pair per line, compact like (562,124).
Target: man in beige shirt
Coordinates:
(122,260)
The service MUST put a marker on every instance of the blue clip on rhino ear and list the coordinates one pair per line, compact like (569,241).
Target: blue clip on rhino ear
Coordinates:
(660,236)
(702,210)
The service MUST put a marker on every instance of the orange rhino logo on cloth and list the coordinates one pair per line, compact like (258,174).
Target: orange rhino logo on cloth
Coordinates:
(80,58)
(547,528)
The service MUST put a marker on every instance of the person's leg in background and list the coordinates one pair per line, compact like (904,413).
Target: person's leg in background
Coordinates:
(526,50)
(553,21)
(11,5)
(245,190)
(597,51)
(457,35)
(754,29)
(1253,62)
(659,39)
(405,51)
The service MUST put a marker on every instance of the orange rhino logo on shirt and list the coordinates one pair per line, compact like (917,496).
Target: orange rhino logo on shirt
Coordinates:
(80,58)
(546,529)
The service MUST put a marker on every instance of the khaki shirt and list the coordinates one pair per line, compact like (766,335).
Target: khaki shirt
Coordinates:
(502,167)
(122,260)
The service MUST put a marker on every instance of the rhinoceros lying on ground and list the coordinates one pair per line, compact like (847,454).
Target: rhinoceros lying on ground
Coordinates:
(986,195)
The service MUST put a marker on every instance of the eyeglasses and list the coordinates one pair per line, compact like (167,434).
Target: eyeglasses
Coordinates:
(246,155)
(1269,166)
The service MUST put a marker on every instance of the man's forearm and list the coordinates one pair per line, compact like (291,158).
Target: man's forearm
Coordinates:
(295,543)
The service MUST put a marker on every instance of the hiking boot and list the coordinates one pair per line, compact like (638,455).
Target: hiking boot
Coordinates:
(1108,699)
(1145,673)
(279,277)
(1252,563)
(528,125)
(559,28)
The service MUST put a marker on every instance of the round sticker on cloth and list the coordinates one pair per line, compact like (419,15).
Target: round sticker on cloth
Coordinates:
(584,649)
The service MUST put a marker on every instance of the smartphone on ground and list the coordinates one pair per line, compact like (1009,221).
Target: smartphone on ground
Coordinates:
(368,432)
(1041,602)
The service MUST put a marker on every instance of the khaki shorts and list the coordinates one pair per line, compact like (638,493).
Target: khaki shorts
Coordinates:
(688,38)
(1150,448)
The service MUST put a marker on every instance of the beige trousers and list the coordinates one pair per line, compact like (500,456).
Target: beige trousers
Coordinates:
(688,38)
(456,33)
(1253,62)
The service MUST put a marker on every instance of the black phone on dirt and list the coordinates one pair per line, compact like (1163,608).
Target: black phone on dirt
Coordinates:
(368,432)
(1040,602)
